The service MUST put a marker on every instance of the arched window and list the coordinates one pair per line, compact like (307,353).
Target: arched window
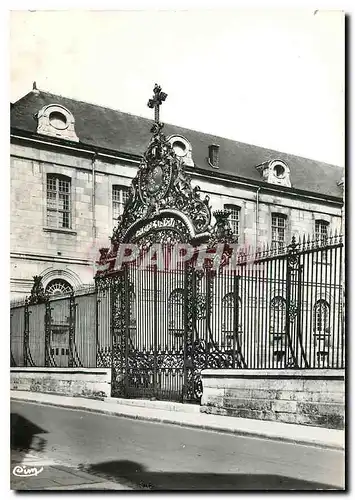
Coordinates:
(321,317)
(58,287)
(277,315)
(228,304)
(176,312)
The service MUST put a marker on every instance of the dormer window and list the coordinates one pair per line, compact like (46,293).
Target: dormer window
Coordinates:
(275,172)
(179,148)
(182,149)
(213,155)
(56,121)
(279,171)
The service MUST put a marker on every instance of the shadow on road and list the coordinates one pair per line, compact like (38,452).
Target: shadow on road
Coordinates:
(25,434)
(139,477)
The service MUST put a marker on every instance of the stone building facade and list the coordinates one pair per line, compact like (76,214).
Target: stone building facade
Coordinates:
(72,164)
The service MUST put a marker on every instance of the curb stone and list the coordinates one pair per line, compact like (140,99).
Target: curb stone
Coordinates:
(207,427)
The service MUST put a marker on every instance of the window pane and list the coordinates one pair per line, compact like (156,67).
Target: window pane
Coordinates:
(125,193)
(64,186)
(278,225)
(321,229)
(52,219)
(119,198)
(63,203)
(65,220)
(58,202)
(115,194)
(116,210)
(51,200)
(234,218)
(51,183)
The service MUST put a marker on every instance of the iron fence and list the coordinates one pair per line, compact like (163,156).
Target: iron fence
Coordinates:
(59,332)
(158,329)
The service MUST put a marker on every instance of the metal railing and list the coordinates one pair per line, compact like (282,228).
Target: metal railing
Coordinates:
(277,309)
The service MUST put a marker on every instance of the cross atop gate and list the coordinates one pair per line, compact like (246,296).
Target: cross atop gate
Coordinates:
(157,101)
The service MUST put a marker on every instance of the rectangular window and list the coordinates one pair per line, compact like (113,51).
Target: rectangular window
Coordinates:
(321,231)
(58,202)
(278,231)
(119,199)
(234,219)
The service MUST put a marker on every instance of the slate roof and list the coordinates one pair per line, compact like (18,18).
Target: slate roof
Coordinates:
(109,129)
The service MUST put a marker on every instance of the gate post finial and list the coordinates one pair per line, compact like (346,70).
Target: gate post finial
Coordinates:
(38,294)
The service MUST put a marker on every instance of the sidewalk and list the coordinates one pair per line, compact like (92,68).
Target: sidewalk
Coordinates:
(189,416)
(55,476)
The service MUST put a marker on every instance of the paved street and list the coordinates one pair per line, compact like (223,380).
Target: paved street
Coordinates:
(146,455)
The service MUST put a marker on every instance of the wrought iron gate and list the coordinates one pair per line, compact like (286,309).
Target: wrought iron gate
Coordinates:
(166,328)
(153,358)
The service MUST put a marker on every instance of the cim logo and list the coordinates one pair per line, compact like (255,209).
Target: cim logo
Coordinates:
(23,471)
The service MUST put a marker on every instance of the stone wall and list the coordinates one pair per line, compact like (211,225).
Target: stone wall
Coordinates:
(301,212)
(69,253)
(92,383)
(308,397)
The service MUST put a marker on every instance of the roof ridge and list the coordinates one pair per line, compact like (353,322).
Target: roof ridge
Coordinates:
(87,102)
(217,137)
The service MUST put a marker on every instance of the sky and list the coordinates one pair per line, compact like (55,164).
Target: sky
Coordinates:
(273,78)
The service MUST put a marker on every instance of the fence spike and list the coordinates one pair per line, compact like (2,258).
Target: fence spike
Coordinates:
(258,298)
(264,249)
(304,242)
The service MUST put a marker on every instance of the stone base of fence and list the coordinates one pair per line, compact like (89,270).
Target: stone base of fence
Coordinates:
(307,397)
(84,382)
